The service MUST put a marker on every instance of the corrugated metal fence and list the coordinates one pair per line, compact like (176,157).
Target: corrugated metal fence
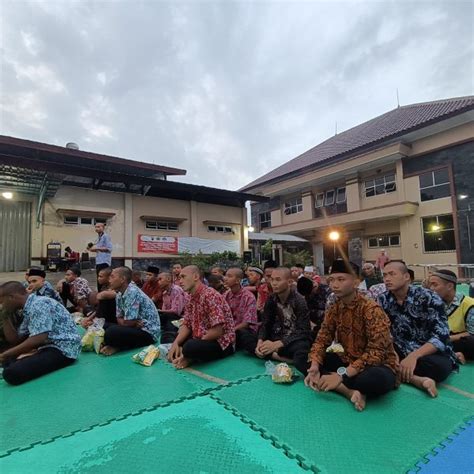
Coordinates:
(15,236)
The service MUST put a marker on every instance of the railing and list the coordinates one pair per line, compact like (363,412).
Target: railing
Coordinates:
(467,268)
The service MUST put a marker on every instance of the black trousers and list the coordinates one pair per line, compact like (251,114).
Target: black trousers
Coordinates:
(98,268)
(43,362)
(466,346)
(373,381)
(107,309)
(66,294)
(434,366)
(205,351)
(168,330)
(297,350)
(123,337)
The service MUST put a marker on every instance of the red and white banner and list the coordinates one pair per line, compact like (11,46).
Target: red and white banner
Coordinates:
(155,244)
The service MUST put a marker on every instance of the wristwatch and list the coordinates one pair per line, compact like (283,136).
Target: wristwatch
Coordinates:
(342,372)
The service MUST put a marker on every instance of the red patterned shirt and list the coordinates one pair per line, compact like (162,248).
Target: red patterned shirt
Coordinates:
(207,309)
(174,299)
(263,292)
(243,307)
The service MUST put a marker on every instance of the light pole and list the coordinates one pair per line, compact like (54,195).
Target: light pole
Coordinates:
(334,236)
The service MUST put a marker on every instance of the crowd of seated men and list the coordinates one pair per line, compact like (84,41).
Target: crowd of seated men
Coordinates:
(355,335)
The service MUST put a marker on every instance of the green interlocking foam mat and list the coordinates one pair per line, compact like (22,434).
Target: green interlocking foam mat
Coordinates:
(464,379)
(390,436)
(92,391)
(198,436)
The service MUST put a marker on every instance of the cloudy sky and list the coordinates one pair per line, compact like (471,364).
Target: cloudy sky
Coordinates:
(226,90)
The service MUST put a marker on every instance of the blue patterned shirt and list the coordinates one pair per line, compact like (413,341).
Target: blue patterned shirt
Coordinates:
(48,290)
(421,319)
(104,257)
(134,304)
(42,314)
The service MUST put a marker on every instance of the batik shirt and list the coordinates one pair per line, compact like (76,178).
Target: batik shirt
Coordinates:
(206,309)
(104,257)
(174,300)
(133,304)
(152,289)
(286,322)
(420,320)
(469,316)
(363,330)
(44,315)
(243,307)
(80,289)
(48,290)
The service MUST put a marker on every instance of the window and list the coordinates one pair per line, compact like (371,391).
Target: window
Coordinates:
(330,195)
(82,220)
(381,241)
(294,206)
(220,229)
(160,225)
(319,202)
(380,185)
(434,185)
(341,195)
(438,233)
(265,219)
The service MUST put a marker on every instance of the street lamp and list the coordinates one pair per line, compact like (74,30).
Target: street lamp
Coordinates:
(7,195)
(251,228)
(334,236)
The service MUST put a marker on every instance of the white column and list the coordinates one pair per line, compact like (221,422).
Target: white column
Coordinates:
(128,249)
(318,257)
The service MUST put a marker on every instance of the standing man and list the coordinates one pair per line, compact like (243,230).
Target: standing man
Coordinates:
(175,271)
(103,250)
(419,328)
(460,312)
(207,332)
(382,260)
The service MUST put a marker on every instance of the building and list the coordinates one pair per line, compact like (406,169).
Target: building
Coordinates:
(55,194)
(400,182)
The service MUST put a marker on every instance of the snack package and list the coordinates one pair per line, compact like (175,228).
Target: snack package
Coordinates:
(177,322)
(146,356)
(164,349)
(94,336)
(335,347)
(280,373)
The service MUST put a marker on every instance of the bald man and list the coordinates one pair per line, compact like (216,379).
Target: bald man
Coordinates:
(207,332)
(138,322)
(242,305)
(47,339)
(285,333)
(419,328)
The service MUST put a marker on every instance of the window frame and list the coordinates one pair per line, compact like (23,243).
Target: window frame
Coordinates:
(78,220)
(337,195)
(293,206)
(166,226)
(434,185)
(265,223)
(452,229)
(379,237)
(373,187)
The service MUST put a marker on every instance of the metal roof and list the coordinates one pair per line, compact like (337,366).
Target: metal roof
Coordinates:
(263,236)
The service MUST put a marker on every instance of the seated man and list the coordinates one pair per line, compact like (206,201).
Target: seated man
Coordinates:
(217,271)
(174,300)
(368,365)
(75,289)
(37,284)
(296,272)
(242,304)
(460,312)
(151,288)
(207,332)
(104,300)
(47,339)
(137,278)
(217,283)
(316,295)
(284,334)
(254,277)
(265,288)
(370,276)
(137,316)
(419,328)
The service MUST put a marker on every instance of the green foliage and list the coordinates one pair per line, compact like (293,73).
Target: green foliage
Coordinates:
(206,261)
(266,249)
(302,257)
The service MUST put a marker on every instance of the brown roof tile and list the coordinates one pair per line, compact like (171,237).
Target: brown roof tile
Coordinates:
(380,129)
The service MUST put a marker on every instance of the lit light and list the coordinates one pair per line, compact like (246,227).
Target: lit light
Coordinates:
(334,236)
(251,228)
(7,195)
(463,196)
(435,228)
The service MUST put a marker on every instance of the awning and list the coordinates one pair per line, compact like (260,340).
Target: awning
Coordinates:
(221,223)
(163,218)
(85,213)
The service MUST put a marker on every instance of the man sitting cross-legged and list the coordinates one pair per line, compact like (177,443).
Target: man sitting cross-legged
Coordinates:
(47,339)
(368,365)
(284,334)
(75,289)
(419,328)
(137,316)
(37,284)
(242,305)
(207,332)
(460,312)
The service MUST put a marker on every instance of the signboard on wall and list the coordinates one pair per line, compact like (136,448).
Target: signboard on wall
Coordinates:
(155,244)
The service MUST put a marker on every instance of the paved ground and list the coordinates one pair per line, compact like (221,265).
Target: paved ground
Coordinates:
(52,277)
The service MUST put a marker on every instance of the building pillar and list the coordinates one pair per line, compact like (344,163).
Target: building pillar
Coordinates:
(128,249)
(318,257)
(244,232)
(354,248)
(194,219)
(399,181)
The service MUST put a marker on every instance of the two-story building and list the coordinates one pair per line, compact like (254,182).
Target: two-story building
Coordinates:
(402,182)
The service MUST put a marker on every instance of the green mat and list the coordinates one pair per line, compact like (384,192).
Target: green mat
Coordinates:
(92,391)
(391,435)
(464,379)
(198,436)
